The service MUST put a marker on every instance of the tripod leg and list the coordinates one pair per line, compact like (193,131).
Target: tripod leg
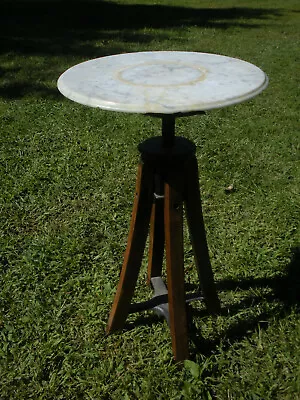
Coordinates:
(157,232)
(198,236)
(135,249)
(175,271)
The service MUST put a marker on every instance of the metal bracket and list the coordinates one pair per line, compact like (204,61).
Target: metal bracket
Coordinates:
(158,196)
(159,302)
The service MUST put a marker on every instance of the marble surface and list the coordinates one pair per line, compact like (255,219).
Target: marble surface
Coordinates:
(162,82)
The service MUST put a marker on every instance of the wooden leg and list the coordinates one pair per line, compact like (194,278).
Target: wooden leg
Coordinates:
(198,236)
(157,238)
(135,249)
(175,271)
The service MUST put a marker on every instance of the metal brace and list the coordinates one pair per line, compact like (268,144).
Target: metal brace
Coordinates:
(158,196)
(159,302)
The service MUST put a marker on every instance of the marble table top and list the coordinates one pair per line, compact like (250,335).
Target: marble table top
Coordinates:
(162,82)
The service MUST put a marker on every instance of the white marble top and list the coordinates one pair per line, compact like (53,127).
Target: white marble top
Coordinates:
(162,82)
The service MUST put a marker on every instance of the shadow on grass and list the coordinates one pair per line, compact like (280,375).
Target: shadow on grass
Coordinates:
(89,29)
(284,295)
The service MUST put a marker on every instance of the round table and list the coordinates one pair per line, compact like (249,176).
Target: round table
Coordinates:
(162,82)
(166,84)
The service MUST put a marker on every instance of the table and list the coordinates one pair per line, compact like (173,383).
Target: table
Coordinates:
(164,84)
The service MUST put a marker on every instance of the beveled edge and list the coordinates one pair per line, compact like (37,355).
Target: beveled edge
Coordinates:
(176,111)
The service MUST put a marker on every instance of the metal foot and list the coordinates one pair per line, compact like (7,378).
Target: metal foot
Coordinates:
(159,302)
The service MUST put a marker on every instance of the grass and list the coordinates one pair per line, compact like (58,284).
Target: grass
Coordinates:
(67,181)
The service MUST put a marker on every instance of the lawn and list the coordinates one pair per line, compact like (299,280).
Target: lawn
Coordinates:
(67,183)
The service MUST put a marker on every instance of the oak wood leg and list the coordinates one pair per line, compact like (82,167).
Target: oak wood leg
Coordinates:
(198,236)
(175,270)
(135,248)
(157,239)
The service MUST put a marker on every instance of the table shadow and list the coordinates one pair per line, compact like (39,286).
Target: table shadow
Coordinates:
(283,292)
(283,295)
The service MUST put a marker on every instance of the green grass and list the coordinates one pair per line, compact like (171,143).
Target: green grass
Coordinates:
(67,181)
